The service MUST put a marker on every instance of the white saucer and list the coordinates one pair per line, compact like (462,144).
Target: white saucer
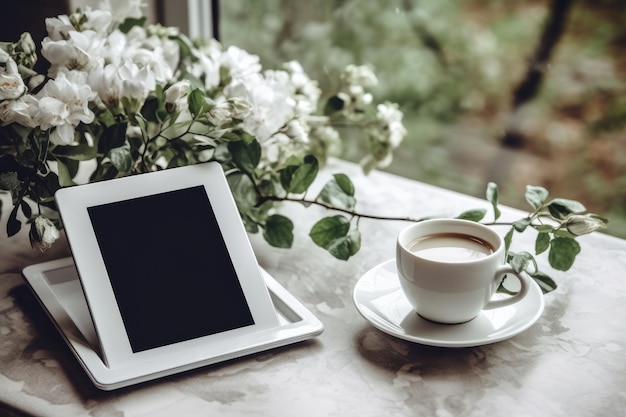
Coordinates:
(379,298)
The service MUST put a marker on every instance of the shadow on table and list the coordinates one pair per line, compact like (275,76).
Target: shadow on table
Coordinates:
(46,360)
(425,370)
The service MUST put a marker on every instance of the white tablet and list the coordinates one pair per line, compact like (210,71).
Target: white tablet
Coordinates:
(167,271)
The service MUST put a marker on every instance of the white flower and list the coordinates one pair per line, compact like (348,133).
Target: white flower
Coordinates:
(113,82)
(225,111)
(158,53)
(63,104)
(240,63)
(4,56)
(220,114)
(297,130)
(277,149)
(79,51)
(355,80)
(11,83)
(137,83)
(307,92)
(240,107)
(359,75)
(98,20)
(327,140)
(21,111)
(391,118)
(123,9)
(178,93)
(271,104)
(59,27)
(207,68)
(107,83)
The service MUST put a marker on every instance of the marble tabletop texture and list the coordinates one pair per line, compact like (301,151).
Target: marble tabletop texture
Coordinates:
(571,362)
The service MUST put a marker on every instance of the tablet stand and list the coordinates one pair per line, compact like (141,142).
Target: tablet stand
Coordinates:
(58,289)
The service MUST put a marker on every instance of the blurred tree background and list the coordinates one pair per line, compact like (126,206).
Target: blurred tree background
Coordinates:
(456,67)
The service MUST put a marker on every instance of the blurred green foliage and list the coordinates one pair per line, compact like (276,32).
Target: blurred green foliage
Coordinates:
(452,66)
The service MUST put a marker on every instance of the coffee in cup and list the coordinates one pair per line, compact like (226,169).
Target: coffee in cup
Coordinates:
(449,269)
(451,247)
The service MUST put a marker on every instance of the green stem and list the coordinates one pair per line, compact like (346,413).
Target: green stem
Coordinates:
(263,198)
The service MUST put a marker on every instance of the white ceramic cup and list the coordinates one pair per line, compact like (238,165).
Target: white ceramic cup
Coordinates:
(447,290)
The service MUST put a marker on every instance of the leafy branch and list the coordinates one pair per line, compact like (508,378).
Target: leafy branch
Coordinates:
(557,221)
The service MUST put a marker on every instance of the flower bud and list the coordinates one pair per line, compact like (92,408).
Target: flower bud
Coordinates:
(579,224)
(43,233)
(220,114)
(25,51)
(178,92)
(240,107)
(11,83)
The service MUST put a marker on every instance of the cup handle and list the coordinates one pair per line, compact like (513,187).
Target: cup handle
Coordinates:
(524,287)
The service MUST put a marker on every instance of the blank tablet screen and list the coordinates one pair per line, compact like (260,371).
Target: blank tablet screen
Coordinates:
(169,268)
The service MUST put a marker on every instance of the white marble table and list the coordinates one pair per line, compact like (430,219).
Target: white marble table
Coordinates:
(572,362)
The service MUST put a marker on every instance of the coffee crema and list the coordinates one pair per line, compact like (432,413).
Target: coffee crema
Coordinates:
(451,247)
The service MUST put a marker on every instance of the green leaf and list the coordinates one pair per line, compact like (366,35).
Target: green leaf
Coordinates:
(121,157)
(546,283)
(293,160)
(243,191)
(246,137)
(492,197)
(9,181)
(344,183)
(13,224)
(198,103)
(536,196)
(65,177)
(563,251)
(329,229)
(238,135)
(150,109)
(278,231)
(474,215)
(347,246)
(521,224)
(105,171)
(72,165)
(544,228)
(113,136)
(26,209)
(44,187)
(519,261)
(297,179)
(542,243)
(560,208)
(508,238)
(82,152)
(131,22)
(246,156)
(249,223)
(335,195)
(564,233)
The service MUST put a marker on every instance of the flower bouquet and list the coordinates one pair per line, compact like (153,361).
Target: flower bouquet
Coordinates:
(122,97)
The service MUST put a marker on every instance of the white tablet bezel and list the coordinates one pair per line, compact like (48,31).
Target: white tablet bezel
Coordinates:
(73,203)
